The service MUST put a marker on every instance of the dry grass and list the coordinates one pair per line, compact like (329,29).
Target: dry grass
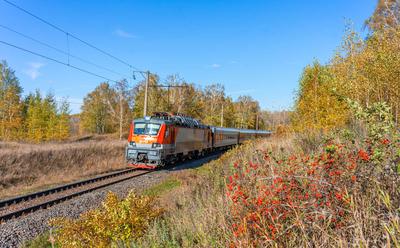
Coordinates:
(27,167)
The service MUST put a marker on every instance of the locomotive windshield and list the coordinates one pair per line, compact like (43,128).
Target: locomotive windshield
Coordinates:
(146,128)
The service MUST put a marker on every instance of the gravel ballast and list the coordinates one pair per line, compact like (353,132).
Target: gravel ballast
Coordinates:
(15,232)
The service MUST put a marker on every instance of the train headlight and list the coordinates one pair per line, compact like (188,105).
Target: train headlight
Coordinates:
(154,145)
(132,143)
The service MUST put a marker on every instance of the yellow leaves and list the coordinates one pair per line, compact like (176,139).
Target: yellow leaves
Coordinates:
(117,221)
(365,71)
(11,122)
(43,121)
(317,106)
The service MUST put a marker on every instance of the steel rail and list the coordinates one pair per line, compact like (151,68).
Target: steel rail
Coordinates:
(44,205)
(27,197)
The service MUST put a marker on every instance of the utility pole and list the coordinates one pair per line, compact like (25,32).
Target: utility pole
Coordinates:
(222,116)
(257,121)
(146,89)
(145,93)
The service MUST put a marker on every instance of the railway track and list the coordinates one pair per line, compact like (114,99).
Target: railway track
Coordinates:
(22,205)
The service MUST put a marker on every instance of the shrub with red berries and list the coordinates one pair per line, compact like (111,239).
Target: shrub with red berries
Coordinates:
(274,197)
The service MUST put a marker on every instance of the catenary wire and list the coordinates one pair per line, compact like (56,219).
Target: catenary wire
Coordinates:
(57,61)
(62,51)
(68,34)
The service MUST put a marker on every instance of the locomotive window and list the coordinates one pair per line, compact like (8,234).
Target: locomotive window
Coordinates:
(146,128)
(152,129)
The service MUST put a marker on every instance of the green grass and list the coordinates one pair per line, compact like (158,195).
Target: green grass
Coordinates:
(162,187)
(41,241)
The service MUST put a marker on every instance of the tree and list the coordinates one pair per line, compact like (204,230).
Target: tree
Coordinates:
(45,121)
(157,100)
(228,112)
(385,16)
(367,71)
(11,107)
(64,126)
(48,109)
(183,97)
(95,116)
(36,121)
(317,106)
(247,110)
(119,99)
(213,99)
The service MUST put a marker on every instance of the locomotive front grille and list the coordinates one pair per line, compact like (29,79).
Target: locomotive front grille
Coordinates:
(143,154)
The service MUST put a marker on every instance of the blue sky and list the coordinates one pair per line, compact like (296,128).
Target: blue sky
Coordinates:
(254,47)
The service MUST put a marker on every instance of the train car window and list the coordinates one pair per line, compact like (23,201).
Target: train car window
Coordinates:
(146,128)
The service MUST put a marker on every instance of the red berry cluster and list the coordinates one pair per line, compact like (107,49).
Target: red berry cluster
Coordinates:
(276,196)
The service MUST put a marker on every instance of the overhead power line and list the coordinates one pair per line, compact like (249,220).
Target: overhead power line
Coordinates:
(57,61)
(68,34)
(62,51)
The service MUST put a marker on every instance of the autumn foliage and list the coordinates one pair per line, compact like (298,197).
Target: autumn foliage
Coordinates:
(363,69)
(33,118)
(118,221)
(273,199)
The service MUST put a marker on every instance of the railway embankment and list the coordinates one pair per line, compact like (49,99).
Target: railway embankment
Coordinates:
(18,231)
(294,191)
(29,167)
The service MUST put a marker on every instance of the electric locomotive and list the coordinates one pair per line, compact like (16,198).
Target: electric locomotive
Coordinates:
(164,138)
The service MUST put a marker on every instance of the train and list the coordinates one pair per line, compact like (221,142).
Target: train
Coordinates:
(165,138)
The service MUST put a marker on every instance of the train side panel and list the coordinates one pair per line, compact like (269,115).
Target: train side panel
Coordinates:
(191,140)
(224,137)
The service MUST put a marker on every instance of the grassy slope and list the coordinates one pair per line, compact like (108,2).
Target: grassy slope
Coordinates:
(28,167)
(200,214)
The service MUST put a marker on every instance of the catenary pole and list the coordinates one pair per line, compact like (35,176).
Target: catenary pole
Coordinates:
(145,93)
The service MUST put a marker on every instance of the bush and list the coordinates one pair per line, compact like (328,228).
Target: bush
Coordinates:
(336,195)
(117,223)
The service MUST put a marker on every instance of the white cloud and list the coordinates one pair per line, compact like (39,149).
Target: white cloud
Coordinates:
(215,65)
(33,70)
(123,34)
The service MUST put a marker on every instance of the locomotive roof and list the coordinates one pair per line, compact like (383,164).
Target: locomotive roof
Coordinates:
(153,120)
(176,120)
